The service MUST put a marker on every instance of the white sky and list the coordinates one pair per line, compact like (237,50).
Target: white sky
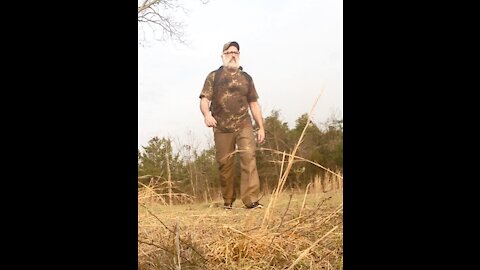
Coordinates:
(292,50)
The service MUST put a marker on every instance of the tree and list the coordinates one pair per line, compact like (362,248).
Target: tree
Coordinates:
(276,138)
(158,162)
(276,132)
(334,143)
(206,173)
(323,146)
(313,135)
(153,161)
(308,149)
(157,15)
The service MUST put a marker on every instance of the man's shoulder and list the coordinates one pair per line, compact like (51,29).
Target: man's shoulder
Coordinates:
(218,69)
(213,72)
(246,74)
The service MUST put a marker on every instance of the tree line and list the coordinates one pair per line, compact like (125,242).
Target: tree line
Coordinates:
(194,172)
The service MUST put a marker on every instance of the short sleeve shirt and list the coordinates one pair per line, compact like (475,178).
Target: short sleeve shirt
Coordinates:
(230,95)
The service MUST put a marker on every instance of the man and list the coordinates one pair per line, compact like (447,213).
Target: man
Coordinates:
(225,100)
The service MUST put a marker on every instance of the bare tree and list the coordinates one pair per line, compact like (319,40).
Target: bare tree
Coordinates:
(158,15)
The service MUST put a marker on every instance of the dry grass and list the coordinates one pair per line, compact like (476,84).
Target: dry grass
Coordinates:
(157,192)
(304,232)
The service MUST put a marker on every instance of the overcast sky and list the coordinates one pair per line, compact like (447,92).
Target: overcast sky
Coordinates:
(292,50)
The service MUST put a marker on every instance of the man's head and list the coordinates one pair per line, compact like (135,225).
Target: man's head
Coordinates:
(231,54)
(231,43)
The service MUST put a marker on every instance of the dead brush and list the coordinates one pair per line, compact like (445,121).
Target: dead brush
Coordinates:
(156,192)
(163,246)
(149,193)
(310,241)
(307,236)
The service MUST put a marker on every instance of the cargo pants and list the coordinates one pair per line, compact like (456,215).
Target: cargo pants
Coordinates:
(225,143)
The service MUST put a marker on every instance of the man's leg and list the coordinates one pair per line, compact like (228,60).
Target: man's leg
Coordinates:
(249,181)
(224,146)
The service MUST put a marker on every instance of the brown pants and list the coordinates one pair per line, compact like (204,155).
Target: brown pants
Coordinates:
(225,143)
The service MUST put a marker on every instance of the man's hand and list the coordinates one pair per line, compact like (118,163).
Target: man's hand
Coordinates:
(210,121)
(261,135)
(204,108)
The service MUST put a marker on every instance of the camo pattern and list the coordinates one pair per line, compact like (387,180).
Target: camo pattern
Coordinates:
(230,95)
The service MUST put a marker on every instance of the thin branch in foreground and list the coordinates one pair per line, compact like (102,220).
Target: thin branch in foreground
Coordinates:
(173,232)
(302,159)
(151,243)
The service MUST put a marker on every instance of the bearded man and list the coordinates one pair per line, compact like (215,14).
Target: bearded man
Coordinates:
(226,100)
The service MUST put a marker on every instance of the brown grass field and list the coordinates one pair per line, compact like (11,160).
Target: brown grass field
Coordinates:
(298,231)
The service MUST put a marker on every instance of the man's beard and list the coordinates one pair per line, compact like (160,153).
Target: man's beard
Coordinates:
(231,63)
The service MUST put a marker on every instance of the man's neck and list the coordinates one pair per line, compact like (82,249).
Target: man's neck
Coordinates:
(231,69)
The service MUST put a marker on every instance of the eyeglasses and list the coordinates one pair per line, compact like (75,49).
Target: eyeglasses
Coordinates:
(237,53)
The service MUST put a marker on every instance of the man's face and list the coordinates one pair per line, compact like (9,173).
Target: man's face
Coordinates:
(231,57)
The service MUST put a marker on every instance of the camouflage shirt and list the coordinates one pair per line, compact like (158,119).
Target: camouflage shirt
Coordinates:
(230,95)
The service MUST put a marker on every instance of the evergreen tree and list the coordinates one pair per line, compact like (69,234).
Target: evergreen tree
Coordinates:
(276,138)
(153,161)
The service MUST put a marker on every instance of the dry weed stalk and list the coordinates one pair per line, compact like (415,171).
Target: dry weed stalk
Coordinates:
(302,159)
(306,251)
(284,174)
(149,193)
(178,264)
(152,244)
(317,185)
(304,199)
(153,192)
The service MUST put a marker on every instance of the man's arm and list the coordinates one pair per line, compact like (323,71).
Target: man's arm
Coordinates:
(257,115)
(204,108)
